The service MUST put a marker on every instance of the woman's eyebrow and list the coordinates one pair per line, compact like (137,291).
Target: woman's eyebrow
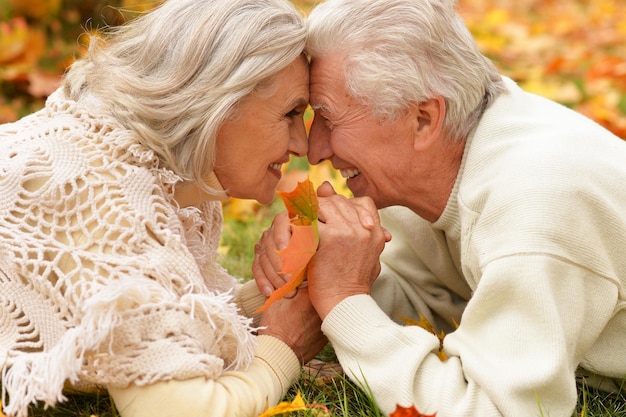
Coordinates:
(298,102)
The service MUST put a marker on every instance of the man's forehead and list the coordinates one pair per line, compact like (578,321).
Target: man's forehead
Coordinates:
(326,82)
(330,65)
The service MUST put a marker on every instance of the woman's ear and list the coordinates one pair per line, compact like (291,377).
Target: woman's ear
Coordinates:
(428,119)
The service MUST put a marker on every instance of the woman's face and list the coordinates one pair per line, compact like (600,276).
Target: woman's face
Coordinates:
(267,129)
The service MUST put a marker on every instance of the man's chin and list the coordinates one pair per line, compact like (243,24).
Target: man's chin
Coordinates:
(353,186)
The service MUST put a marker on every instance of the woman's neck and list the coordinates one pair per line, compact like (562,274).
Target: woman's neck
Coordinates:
(190,194)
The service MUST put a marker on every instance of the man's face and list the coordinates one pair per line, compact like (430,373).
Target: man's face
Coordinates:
(371,155)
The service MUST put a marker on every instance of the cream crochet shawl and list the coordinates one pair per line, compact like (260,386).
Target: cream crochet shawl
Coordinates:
(103,279)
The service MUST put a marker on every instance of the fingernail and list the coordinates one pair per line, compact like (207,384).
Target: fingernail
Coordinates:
(368,221)
(267,290)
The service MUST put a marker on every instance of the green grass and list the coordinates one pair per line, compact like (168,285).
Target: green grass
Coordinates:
(241,233)
(341,396)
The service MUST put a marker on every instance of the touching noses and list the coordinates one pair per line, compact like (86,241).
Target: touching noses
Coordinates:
(319,142)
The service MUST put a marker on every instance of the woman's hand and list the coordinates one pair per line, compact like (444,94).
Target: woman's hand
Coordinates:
(267,262)
(295,322)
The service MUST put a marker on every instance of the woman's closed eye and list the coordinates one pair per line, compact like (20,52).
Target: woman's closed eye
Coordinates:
(293,113)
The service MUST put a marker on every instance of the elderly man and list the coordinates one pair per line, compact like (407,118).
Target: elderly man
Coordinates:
(507,210)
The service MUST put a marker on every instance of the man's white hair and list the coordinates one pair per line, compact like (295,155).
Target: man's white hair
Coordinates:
(399,52)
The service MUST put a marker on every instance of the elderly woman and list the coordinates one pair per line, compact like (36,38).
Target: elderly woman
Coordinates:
(111,216)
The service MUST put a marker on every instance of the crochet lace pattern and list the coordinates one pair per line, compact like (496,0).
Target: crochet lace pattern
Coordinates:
(103,279)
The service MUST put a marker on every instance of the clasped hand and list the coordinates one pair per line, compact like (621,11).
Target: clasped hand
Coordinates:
(347,259)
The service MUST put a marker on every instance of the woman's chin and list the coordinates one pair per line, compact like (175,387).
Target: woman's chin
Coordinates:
(265,197)
(266,200)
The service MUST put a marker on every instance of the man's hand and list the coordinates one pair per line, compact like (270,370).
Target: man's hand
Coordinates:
(347,260)
(267,262)
(368,214)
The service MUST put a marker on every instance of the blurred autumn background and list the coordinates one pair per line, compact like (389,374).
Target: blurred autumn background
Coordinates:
(572,51)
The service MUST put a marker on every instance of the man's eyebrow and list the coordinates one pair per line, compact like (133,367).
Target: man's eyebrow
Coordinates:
(320,106)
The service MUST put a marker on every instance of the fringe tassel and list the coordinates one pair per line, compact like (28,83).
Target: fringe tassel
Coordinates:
(41,376)
(231,325)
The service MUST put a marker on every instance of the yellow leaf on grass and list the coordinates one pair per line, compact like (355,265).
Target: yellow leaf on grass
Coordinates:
(287,407)
(239,209)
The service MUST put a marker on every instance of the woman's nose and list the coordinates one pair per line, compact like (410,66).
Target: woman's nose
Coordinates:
(299,144)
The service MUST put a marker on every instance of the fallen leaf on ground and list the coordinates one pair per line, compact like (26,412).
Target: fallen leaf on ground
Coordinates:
(322,372)
(409,412)
(297,404)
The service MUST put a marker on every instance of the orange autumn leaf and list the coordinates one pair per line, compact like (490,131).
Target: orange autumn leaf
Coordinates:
(287,407)
(43,84)
(302,207)
(301,203)
(409,412)
(295,257)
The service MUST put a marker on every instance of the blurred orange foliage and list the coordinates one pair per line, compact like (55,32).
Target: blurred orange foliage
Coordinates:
(39,39)
(572,51)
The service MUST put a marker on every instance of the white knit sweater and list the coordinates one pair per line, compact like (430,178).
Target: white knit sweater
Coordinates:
(529,257)
(103,279)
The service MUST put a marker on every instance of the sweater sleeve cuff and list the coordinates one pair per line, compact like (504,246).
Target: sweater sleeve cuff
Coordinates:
(249,299)
(358,310)
(358,321)
(278,357)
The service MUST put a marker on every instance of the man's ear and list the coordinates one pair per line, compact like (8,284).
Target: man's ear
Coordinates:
(428,118)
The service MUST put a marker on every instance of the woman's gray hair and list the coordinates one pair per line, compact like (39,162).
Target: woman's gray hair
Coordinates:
(173,75)
(399,52)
